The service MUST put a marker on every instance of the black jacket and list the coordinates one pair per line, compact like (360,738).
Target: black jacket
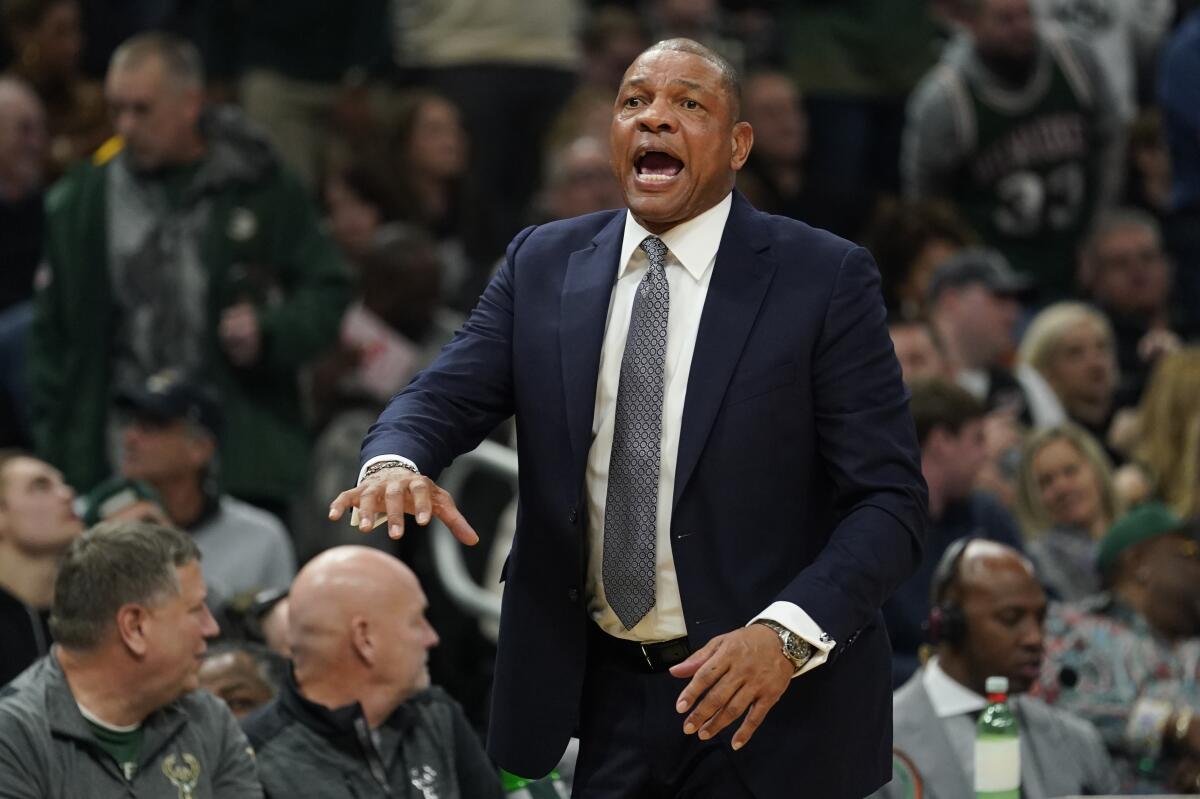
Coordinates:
(425,748)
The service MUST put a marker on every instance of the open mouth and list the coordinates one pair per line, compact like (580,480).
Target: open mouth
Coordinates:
(657,166)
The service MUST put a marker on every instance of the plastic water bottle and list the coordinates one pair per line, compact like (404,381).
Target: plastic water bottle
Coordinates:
(997,746)
(549,787)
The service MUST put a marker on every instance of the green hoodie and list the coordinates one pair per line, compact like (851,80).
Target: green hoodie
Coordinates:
(259,216)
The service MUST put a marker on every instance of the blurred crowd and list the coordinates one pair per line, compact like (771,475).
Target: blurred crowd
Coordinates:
(231,230)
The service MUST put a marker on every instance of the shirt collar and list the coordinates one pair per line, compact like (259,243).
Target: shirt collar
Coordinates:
(948,696)
(693,243)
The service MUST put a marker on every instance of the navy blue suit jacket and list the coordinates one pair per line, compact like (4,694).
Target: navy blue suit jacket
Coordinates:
(798,477)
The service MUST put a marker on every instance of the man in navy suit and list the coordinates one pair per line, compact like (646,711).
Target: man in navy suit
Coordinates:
(720,483)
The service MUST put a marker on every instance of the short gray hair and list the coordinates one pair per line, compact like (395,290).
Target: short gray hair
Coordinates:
(111,565)
(180,57)
(1110,222)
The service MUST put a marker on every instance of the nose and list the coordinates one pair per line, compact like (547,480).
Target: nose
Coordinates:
(123,123)
(209,628)
(656,117)
(1032,636)
(432,639)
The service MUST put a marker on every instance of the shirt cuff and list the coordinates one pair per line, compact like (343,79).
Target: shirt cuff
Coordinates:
(380,518)
(791,616)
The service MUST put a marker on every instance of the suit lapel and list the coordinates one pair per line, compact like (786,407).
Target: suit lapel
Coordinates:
(741,275)
(587,288)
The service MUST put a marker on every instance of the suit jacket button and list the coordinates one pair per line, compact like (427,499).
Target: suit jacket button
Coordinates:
(572,516)
(573,594)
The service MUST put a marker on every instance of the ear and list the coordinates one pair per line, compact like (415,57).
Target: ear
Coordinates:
(743,140)
(937,440)
(201,450)
(363,641)
(195,98)
(131,627)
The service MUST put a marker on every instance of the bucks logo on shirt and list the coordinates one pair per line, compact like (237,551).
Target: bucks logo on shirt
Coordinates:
(1028,186)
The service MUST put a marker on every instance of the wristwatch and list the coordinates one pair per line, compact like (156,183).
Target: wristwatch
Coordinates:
(795,648)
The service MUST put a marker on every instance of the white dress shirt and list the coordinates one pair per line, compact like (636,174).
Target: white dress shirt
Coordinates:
(954,703)
(692,254)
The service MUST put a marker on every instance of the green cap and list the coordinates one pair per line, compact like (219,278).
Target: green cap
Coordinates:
(114,495)
(1144,522)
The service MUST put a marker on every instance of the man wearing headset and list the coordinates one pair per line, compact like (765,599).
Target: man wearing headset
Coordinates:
(986,620)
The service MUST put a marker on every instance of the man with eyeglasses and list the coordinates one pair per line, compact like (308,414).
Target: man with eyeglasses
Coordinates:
(1125,272)
(1128,659)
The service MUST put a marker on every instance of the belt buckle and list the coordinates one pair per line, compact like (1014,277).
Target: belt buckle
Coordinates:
(646,655)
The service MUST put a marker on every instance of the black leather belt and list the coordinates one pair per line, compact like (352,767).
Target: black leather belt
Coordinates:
(648,658)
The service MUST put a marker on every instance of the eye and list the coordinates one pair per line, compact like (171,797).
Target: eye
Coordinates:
(691,105)
(633,102)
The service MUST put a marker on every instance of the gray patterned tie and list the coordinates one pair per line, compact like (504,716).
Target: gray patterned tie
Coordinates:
(631,509)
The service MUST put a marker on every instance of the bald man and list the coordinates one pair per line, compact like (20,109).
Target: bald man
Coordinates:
(988,609)
(357,716)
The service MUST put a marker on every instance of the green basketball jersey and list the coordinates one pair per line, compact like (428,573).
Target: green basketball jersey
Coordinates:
(1029,186)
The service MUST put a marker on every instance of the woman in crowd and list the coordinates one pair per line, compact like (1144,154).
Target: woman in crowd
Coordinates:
(1168,448)
(1065,504)
(47,42)
(1070,344)
(428,153)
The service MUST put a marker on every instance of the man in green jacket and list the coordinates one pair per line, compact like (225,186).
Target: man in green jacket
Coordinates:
(114,710)
(182,244)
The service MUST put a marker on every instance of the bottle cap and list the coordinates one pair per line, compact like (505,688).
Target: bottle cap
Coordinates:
(996,685)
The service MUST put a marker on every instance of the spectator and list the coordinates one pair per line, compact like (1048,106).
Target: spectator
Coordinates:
(359,714)
(949,424)
(612,38)
(428,150)
(121,499)
(1070,345)
(23,148)
(1125,272)
(1017,127)
(120,685)
(189,248)
(973,306)
(508,66)
(37,523)
(22,156)
(855,63)
(169,433)
(773,178)
(1065,503)
(359,199)
(295,65)
(910,241)
(1122,34)
(48,43)
(243,675)
(1169,440)
(987,621)
(1148,171)
(1179,101)
(698,20)
(388,336)
(579,180)
(258,618)
(1127,660)
(918,350)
